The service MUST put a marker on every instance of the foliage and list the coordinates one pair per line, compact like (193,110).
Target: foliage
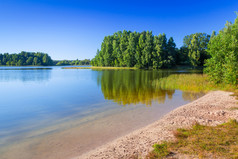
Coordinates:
(134,49)
(182,56)
(25,58)
(194,47)
(191,82)
(222,67)
(160,151)
(72,62)
(203,141)
(101,68)
(36,59)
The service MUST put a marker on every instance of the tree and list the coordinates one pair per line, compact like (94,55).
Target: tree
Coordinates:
(182,56)
(147,51)
(123,47)
(35,61)
(164,55)
(171,48)
(134,49)
(157,59)
(196,45)
(131,51)
(139,48)
(46,60)
(25,58)
(222,67)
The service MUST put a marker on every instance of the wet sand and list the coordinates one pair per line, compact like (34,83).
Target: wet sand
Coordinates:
(211,109)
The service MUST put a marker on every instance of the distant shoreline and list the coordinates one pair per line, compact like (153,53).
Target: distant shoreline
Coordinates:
(93,67)
(132,68)
(212,109)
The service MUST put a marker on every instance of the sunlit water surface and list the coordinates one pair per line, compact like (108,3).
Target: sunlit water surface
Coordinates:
(40,106)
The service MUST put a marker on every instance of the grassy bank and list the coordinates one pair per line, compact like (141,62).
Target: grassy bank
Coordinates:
(192,83)
(202,141)
(93,67)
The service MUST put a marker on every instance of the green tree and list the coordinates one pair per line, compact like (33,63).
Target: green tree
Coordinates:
(157,59)
(134,49)
(148,49)
(182,56)
(35,61)
(46,60)
(123,47)
(25,58)
(171,54)
(131,51)
(196,45)
(140,47)
(164,51)
(222,67)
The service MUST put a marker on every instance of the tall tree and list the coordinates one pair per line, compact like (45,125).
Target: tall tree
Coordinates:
(157,52)
(223,49)
(134,49)
(171,48)
(196,45)
(140,47)
(131,51)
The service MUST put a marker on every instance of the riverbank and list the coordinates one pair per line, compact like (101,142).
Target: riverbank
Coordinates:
(212,109)
(177,67)
(105,68)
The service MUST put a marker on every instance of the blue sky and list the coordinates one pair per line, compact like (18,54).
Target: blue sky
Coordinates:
(74,29)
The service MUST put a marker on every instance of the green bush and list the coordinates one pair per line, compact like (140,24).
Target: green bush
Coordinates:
(222,67)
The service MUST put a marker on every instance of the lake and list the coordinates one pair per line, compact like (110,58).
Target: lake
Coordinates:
(50,112)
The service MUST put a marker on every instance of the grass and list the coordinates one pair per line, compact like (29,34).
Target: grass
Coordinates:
(234,108)
(202,141)
(93,67)
(192,83)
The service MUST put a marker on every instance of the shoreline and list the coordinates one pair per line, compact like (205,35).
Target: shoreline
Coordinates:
(102,68)
(212,109)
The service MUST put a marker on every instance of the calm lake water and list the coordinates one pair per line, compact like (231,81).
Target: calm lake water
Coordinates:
(39,105)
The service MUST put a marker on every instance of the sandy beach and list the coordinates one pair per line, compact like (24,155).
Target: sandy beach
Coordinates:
(211,109)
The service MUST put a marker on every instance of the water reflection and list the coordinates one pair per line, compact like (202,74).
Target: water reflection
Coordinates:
(191,96)
(25,74)
(135,86)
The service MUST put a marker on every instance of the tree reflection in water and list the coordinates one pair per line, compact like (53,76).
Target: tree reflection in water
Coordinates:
(135,86)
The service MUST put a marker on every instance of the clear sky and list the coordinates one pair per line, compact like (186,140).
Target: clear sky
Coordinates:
(74,29)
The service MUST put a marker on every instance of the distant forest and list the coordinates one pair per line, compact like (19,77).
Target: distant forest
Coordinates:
(36,59)
(145,50)
(72,62)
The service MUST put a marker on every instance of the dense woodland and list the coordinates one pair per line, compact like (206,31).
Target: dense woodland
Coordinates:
(144,50)
(36,59)
(25,58)
(218,53)
(222,67)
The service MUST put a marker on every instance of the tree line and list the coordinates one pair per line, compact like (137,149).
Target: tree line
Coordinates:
(218,53)
(25,58)
(72,62)
(36,59)
(145,50)
(222,67)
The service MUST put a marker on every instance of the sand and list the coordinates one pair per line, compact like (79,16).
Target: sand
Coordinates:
(211,109)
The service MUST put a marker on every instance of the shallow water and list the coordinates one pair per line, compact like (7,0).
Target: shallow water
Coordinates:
(49,112)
